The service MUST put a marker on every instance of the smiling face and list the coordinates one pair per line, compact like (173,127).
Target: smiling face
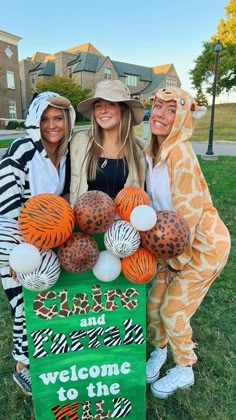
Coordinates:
(52,127)
(107,114)
(162,119)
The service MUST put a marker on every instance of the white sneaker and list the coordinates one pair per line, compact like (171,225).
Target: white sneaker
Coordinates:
(177,378)
(156,361)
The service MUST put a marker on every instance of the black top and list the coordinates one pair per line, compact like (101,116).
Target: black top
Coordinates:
(110,177)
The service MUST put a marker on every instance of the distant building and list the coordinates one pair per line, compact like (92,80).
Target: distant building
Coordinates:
(10,89)
(88,66)
(84,63)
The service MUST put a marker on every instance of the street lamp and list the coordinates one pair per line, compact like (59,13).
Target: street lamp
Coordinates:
(218,49)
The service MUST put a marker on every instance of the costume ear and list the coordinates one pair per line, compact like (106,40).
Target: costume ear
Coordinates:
(198,112)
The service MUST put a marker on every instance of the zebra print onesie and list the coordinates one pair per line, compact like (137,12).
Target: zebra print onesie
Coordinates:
(26,170)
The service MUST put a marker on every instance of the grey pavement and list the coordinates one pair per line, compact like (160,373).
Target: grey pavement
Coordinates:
(220,147)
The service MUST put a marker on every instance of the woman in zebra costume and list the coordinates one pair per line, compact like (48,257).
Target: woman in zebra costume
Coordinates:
(37,163)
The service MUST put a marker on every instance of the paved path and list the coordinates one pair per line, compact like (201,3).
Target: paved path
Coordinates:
(220,147)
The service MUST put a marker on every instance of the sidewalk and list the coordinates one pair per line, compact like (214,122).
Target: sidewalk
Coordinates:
(220,147)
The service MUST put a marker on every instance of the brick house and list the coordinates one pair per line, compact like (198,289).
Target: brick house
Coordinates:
(10,88)
(87,66)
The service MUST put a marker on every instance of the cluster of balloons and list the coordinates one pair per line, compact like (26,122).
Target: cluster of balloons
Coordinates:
(135,236)
(45,221)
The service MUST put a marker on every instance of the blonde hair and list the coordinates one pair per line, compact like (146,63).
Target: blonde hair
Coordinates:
(63,145)
(126,138)
(152,147)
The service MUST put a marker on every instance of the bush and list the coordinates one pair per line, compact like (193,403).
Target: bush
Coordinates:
(13,124)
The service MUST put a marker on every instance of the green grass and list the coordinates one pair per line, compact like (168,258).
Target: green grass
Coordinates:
(5,143)
(214,394)
(224,123)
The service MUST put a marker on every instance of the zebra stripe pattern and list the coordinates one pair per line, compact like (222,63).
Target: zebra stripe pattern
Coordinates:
(122,239)
(45,276)
(9,237)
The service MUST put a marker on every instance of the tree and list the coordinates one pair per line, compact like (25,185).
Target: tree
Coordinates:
(65,87)
(203,73)
(201,99)
(226,29)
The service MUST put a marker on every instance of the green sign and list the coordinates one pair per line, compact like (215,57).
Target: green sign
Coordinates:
(87,348)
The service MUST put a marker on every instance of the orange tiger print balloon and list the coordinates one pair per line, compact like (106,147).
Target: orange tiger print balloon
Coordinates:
(46,220)
(139,267)
(128,198)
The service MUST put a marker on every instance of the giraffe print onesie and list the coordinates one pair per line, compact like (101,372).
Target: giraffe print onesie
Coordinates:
(177,183)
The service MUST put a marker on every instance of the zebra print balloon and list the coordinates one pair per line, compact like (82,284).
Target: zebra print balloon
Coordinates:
(10,236)
(122,239)
(45,276)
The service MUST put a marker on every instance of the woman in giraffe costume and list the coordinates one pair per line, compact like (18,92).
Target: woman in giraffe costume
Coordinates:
(175,182)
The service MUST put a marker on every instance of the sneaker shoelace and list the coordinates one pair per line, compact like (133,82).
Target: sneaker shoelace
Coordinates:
(173,375)
(26,376)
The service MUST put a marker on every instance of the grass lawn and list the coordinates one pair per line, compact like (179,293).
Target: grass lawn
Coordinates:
(214,394)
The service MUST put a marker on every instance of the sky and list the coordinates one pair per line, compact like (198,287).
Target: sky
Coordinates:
(148,33)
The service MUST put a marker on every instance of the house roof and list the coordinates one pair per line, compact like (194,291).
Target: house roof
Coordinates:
(45,69)
(88,62)
(145,73)
(87,47)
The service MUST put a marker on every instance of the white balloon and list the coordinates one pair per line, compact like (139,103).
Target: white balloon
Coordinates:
(143,217)
(45,276)
(107,267)
(24,258)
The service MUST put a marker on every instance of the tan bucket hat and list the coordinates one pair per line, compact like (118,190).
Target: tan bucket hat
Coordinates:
(113,91)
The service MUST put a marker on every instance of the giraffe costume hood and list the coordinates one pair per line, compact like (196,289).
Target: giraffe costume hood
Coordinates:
(175,182)
(187,111)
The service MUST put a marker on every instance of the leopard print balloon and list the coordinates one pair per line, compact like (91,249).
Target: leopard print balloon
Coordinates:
(169,237)
(94,211)
(79,253)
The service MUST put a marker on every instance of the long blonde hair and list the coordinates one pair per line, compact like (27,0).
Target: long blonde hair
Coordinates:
(126,138)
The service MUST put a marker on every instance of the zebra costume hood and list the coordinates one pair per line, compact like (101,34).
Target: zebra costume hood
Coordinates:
(26,169)
(38,106)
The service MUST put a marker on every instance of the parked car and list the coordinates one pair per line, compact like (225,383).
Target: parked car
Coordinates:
(147,114)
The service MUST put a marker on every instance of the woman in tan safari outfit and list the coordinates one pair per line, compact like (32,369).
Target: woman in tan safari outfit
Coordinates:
(175,182)
(108,157)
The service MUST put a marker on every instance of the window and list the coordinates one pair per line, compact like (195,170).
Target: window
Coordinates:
(10,80)
(12,110)
(107,74)
(34,77)
(171,82)
(131,80)
(70,72)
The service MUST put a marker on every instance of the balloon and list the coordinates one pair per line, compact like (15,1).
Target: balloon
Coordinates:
(128,198)
(139,267)
(10,236)
(107,267)
(24,258)
(45,276)
(46,220)
(143,217)
(79,253)
(94,211)
(169,236)
(122,239)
